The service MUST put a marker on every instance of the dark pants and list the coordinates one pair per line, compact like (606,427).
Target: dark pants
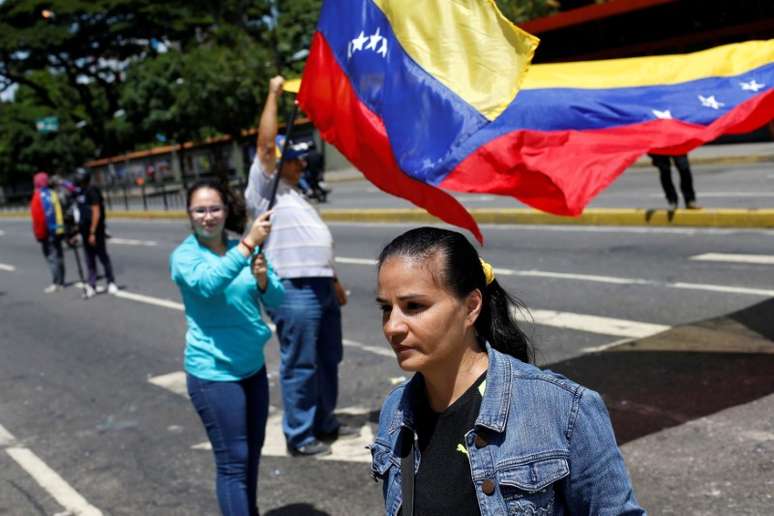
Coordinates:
(52,250)
(97,251)
(686,179)
(309,330)
(234,415)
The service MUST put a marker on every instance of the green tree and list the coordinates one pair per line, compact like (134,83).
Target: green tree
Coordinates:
(519,11)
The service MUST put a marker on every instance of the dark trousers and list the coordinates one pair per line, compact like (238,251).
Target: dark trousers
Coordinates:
(97,251)
(234,415)
(309,331)
(52,250)
(686,179)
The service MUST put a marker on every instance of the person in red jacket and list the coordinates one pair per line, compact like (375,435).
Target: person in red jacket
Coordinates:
(48,228)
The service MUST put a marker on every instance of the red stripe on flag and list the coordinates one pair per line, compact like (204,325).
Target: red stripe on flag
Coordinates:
(327,97)
(561,171)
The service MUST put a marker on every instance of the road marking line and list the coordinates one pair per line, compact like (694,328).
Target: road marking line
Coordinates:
(348,449)
(5,437)
(150,300)
(132,241)
(725,289)
(47,478)
(568,275)
(763,259)
(2,233)
(616,280)
(6,267)
(175,382)
(179,306)
(383,351)
(595,324)
(605,347)
(356,261)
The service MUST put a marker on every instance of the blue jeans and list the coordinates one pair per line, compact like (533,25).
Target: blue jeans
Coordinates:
(52,250)
(234,414)
(309,330)
(94,252)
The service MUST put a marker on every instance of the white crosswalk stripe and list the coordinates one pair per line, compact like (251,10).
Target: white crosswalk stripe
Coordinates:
(595,324)
(351,449)
(760,259)
(7,267)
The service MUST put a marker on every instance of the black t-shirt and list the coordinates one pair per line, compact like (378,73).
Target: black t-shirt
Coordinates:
(86,199)
(443,484)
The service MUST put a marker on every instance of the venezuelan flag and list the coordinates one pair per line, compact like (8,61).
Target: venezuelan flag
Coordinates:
(398,85)
(577,126)
(421,97)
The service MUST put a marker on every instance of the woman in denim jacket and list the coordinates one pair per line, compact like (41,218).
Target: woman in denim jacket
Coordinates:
(489,433)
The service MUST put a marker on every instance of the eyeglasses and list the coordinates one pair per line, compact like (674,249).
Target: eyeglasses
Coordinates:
(200,211)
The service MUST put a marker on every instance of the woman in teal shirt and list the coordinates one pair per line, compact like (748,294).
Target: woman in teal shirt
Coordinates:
(223,282)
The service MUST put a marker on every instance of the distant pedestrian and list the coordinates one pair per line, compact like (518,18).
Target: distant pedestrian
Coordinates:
(309,320)
(91,209)
(489,433)
(224,361)
(48,227)
(662,163)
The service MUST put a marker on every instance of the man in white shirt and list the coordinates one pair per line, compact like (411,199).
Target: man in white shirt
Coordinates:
(300,248)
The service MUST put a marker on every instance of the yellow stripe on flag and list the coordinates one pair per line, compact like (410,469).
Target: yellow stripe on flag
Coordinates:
(292,85)
(468,45)
(723,61)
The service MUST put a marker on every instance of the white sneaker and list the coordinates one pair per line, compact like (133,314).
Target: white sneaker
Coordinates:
(88,292)
(112,288)
(51,288)
(100,289)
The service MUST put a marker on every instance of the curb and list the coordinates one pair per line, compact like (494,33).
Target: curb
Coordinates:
(729,218)
(720,218)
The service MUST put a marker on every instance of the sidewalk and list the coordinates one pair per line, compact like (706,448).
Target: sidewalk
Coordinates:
(729,154)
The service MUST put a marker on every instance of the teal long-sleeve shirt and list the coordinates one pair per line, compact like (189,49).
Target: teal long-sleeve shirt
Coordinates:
(226,332)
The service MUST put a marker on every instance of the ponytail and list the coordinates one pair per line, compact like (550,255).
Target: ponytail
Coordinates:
(497,323)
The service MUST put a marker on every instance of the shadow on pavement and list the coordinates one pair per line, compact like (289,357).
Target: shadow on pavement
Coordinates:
(670,378)
(296,509)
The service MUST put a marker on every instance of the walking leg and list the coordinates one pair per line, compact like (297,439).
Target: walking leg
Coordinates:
(686,180)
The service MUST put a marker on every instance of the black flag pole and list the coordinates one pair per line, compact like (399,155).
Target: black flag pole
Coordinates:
(285,146)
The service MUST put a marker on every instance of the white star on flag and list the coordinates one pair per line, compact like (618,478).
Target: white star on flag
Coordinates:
(375,37)
(711,102)
(665,115)
(753,85)
(383,49)
(358,42)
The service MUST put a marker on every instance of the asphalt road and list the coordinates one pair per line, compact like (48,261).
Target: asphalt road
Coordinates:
(92,419)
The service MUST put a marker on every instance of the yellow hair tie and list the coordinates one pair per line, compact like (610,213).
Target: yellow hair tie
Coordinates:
(488,271)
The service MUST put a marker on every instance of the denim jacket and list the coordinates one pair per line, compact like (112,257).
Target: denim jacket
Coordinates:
(541,445)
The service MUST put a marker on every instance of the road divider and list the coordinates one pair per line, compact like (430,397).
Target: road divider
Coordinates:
(710,217)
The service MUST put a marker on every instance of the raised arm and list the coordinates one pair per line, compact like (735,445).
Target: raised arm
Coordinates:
(267,130)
